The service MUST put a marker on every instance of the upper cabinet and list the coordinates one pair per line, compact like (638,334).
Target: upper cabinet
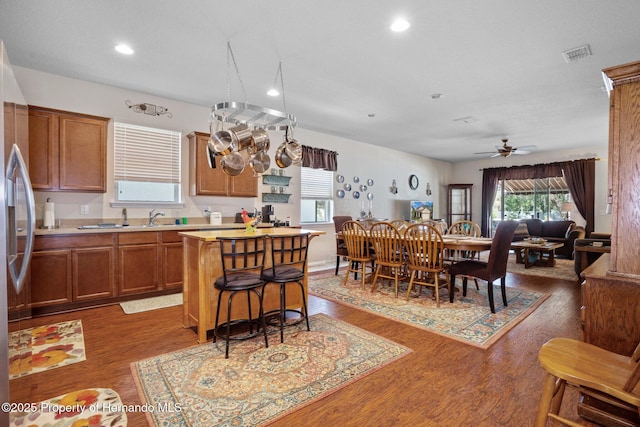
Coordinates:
(205,181)
(67,151)
(624,175)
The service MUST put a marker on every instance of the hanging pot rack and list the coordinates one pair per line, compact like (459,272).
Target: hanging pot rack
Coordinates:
(253,116)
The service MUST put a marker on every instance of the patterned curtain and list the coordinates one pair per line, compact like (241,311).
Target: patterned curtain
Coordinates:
(319,158)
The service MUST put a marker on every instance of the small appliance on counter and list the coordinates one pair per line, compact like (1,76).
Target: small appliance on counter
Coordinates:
(215,218)
(268,214)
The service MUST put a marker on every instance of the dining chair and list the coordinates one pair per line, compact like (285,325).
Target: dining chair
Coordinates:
(494,268)
(463,228)
(341,248)
(425,251)
(288,265)
(359,248)
(594,371)
(242,264)
(441,226)
(387,243)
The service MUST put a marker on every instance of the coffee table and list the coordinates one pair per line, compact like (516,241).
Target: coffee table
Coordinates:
(546,253)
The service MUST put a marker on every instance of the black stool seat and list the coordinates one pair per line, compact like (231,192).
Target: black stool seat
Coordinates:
(242,263)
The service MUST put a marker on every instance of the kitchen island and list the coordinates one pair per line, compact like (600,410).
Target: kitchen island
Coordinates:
(202,266)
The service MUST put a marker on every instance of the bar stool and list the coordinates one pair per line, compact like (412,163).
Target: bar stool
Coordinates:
(289,265)
(242,264)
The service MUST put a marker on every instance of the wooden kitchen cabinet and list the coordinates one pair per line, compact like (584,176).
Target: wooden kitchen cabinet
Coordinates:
(172,250)
(67,269)
(139,260)
(204,181)
(67,151)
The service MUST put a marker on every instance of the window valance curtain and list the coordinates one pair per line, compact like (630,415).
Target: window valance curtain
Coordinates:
(579,174)
(319,158)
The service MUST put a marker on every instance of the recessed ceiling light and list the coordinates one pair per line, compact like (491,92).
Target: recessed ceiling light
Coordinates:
(273,92)
(400,24)
(371,115)
(124,49)
(437,96)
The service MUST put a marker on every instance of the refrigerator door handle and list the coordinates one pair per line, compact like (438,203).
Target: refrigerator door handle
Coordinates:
(17,165)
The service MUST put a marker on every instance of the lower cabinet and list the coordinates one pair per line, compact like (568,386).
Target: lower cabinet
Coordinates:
(76,270)
(139,262)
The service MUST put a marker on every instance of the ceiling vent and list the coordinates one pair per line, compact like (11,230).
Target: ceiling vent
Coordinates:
(576,54)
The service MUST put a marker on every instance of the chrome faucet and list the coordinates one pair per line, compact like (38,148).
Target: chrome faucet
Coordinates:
(153,215)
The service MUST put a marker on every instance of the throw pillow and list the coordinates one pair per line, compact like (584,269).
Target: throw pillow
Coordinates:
(522,232)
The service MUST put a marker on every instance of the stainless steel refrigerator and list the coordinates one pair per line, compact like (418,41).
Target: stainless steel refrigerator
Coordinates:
(17,216)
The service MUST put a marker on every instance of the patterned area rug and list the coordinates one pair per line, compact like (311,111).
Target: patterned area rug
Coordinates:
(564,269)
(153,303)
(88,407)
(468,319)
(46,347)
(258,385)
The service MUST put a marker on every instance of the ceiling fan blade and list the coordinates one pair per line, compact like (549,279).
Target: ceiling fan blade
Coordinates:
(496,155)
(485,152)
(527,148)
(520,152)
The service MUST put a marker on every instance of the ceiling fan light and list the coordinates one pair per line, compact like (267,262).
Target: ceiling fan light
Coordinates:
(124,49)
(273,92)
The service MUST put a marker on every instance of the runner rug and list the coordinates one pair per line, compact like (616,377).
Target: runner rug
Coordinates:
(197,386)
(45,347)
(468,319)
(153,303)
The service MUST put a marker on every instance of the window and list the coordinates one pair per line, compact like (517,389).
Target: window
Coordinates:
(146,165)
(316,195)
(530,198)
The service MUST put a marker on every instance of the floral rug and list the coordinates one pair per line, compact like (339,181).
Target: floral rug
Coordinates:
(257,385)
(88,407)
(45,347)
(468,319)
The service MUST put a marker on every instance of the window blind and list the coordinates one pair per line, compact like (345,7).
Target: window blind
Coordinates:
(316,183)
(146,154)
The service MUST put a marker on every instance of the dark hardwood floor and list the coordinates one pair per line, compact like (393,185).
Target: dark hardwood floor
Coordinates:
(441,383)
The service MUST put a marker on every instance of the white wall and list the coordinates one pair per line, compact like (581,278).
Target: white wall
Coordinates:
(365,161)
(471,172)
(383,165)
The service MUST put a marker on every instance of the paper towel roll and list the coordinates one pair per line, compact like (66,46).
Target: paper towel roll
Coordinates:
(49,219)
(215,218)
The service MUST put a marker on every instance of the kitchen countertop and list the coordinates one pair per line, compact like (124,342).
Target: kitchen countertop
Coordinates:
(138,228)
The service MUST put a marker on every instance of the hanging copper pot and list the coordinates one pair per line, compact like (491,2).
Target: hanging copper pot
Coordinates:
(261,141)
(233,164)
(281,158)
(260,162)
(292,148)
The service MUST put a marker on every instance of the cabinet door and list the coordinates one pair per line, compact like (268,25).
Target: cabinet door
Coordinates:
(50,278)
(43,149)
(139,268)
(204,181)
(93,273)
(172,265)
(245,184)
(82,153)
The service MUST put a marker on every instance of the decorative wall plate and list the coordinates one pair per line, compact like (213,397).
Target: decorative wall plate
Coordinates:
(370,182)
(341,194)
(340,179)
(370,196)
(413,182)
(347,187)
(363,188)
(356,194)
(356,179)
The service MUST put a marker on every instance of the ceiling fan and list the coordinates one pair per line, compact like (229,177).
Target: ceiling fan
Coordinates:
(507,150)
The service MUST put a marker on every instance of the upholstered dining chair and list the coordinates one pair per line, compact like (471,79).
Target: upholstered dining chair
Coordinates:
(425,252)
(341,248)
(594,371)
(242,264)
(358,249)
(494,268)
(387,243)
(288,265)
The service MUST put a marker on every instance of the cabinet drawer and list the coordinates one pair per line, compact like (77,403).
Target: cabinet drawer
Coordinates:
(79,241)
(137,238)
(171,237)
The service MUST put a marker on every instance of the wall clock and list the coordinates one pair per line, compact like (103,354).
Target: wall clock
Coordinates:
(413,182)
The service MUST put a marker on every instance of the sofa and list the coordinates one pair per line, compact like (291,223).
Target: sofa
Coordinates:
(578,262)
(564,231)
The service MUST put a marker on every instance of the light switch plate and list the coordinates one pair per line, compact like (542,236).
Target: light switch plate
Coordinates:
(84,209)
